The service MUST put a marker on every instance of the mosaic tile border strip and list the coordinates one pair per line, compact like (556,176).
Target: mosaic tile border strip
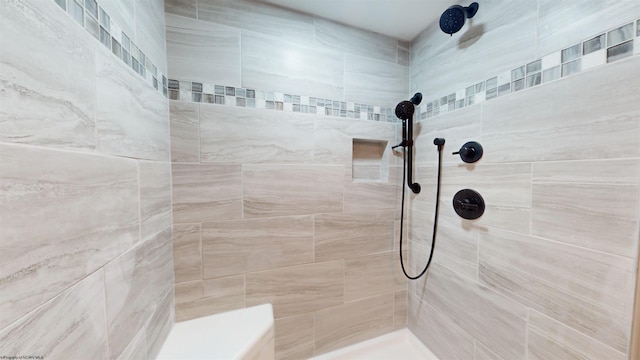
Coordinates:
(250,98)
(607,47)
(93,18)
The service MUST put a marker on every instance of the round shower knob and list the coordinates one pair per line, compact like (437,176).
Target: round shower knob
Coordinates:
(468,204)
(470,152)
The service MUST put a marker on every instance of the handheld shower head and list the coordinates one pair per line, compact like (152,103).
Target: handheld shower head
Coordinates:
(405,109)
(452,20)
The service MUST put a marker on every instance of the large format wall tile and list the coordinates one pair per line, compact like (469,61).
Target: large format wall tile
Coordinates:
(35,107)
(70,326)
(159,325)
(137,348)
(241,246)
(260,18)
(567,117)
(294,337)
(237,135)
(155,197)
(272,190)
(135,284)
(356,41)
(203,52)
(203,192)
(276,65)
(298,289)
(64,215)
(352,322)
(373,81)
(185,127)
(206,297)
(372,275)
(549,338)
(187,253)
(122,13)
(400,306)
(611,172)
(338,236)
(150,31)
(132,118)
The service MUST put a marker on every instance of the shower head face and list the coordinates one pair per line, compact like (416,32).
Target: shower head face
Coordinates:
(404,110)
(453,19)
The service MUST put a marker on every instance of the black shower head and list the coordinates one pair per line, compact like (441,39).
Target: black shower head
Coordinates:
(452,20)
(405,109)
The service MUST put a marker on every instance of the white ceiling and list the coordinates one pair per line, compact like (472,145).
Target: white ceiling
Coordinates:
(401,19)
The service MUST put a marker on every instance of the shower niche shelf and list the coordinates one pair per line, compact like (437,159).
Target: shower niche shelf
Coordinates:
(369,162)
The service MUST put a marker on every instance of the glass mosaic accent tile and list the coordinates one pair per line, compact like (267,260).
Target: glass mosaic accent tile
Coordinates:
(571,67)
(62,4)
(92,8)
(621,34)
(518,85)
(595,44)
(571,53)
(534,66)
(533,80)
(76,11)
(92,27)
(517,73)
(620,51)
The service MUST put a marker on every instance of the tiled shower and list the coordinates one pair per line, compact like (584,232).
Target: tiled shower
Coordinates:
(163,161)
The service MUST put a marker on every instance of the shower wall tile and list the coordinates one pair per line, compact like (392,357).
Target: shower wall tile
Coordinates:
(548,338)
(297,289)
(78,316)
(122,13)
(155,197)
(278,190)
(99,196)
(131,120)
(134,282)
(443,335)
(187,8)
(369,196)
(254,136)
(202,51)
(371,275)
(589,17)
(352,322)
(270,63)
(606,172)
(205,192)
(41,112)
(400,309)
(150,31)
(450,294)
(159,325)
(137,348)
(206,297)
(185,126)
(481,352)
(609,326)
(355,41)
(558,130)
(373,81)
(294,337)
(259,17)
(187,253)
(339,236)
(247,245)
(585,214)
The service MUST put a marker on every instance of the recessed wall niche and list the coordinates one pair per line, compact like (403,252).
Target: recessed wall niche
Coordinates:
(369,160)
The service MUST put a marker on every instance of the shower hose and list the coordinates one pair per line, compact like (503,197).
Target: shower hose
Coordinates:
(435,220)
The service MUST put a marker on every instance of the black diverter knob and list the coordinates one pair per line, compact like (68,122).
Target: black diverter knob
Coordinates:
(470,152)
(468,204)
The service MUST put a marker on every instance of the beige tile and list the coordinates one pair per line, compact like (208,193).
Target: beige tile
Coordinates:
(185,140)
(201,51)
(371,275)
(186,8)
(76,314)
(604,324)
(338,236)
(187,255)
(609,171)
(36,108)
(586,215)
(132,117)
(371,81)
(566,119)
(150,31)
(368,196)
(259,17)
(155,197)
(400,309)
(137,348)
(282,66)
(484,353)
(200,298)
(355,41)
(272,190)
(601,278)
(248,245)
(203,192)
(294,337)
(549,339)
(136,283)
(488,316)
(297,289)
(159,325)
(233,134)
(440,333)
(63,216)
(352,322)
